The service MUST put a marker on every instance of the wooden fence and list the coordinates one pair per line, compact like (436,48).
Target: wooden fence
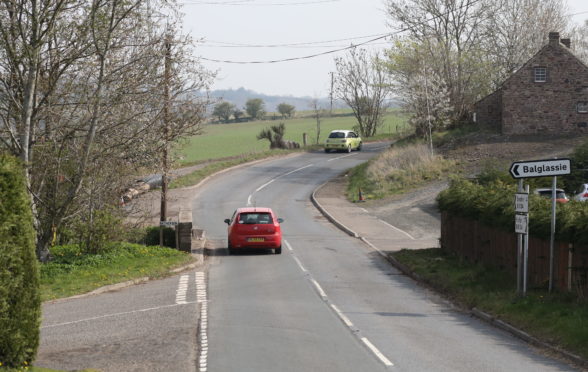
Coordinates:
(482,244)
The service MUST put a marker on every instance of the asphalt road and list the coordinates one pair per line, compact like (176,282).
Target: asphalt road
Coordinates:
(328,303)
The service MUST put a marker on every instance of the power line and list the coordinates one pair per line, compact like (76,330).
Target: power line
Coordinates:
(229,44)
(252,3)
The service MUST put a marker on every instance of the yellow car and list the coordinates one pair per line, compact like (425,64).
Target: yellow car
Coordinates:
(343,140)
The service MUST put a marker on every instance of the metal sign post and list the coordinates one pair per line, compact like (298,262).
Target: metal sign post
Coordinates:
(552,236)
(529,169)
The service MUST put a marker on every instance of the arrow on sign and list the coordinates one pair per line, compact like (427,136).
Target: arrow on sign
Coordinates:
(540,168)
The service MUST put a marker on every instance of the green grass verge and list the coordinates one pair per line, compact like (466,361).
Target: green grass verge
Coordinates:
(221,141)
(71,272)
(560,319)
(216,166)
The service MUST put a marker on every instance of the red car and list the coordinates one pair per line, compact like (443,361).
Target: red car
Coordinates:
(254,227)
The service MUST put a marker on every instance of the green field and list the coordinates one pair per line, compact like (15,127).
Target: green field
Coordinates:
(226,140)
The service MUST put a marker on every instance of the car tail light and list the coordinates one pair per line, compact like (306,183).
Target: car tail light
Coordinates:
(585,195)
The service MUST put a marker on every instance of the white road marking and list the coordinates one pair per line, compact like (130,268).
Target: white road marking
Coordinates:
(341,157)
(182,290)
(319,289)
(397,229)
(377,352)
(249,202)
(299,264)
(288,245)
(117,314)
(203,334)
(342,316)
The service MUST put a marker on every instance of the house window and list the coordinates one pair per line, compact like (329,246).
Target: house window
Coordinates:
(582,107)
(540,74)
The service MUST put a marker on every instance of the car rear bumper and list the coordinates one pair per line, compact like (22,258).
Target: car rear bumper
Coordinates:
(333,146)
(269,242)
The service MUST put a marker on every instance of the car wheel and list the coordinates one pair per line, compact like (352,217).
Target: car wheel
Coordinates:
(231,250)
(278,250)
(349,148)
(359,147)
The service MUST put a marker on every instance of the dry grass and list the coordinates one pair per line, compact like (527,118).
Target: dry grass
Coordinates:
(399,169)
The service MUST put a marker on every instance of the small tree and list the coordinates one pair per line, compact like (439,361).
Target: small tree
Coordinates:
(20,304)
(275,135)
(255,107)
(286,110)
(223,111)
(237,113)
(317,113)
(362,83)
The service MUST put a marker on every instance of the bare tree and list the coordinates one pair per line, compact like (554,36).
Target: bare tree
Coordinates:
(317,113)
(362,83)
(516,30)
(96,103)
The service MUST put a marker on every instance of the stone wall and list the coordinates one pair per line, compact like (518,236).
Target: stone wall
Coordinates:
(531,107)
(489,111)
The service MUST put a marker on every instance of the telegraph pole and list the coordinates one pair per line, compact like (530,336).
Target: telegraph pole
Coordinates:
(166,104)
(331,94)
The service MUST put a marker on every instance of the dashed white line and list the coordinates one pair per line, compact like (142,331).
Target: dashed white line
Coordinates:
(319,288)
(203,334)
(342,316)
(341,157)
(376,352)
(299,264)
(182,290)
(288,245)
(397,229)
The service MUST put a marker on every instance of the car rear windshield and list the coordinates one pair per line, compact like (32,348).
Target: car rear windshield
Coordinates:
(337,135)
(255,218)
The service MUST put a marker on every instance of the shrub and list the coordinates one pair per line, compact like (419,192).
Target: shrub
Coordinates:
(20,306)
(152,236)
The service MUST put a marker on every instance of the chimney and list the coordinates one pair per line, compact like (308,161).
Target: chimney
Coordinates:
(553,38)
(567,43)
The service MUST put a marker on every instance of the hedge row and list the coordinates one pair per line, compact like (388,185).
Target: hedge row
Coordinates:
(20,305)
(493,204)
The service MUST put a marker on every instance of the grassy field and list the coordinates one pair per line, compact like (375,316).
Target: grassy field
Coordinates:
(557,318)
(228,140)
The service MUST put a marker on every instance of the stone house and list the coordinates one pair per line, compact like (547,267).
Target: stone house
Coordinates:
(548,94)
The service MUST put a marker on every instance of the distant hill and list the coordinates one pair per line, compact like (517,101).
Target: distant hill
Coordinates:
(238,97)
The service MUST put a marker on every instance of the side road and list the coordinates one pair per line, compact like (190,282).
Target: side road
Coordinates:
(377,227)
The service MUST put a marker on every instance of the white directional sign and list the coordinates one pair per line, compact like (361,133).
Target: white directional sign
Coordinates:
(522,203)
(521,223)
(540,168)
(168,223)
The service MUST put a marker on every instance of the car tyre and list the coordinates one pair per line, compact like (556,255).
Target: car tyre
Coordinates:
(230,248)
(278,250)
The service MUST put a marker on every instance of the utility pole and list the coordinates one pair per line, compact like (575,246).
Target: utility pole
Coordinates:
(331,94)
(429,113)
(166,104)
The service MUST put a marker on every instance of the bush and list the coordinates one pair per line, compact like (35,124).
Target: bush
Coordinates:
(152,236)
(20,304)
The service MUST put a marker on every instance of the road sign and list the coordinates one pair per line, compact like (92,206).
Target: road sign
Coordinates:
(522,203)
(540,168)
(168,223)
(521,223)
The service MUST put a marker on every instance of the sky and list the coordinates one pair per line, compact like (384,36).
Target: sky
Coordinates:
(245,31)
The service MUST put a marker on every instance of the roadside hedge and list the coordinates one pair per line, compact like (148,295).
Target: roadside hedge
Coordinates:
(20,304)
(491,202)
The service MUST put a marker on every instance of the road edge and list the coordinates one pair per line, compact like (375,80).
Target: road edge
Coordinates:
(474,312)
